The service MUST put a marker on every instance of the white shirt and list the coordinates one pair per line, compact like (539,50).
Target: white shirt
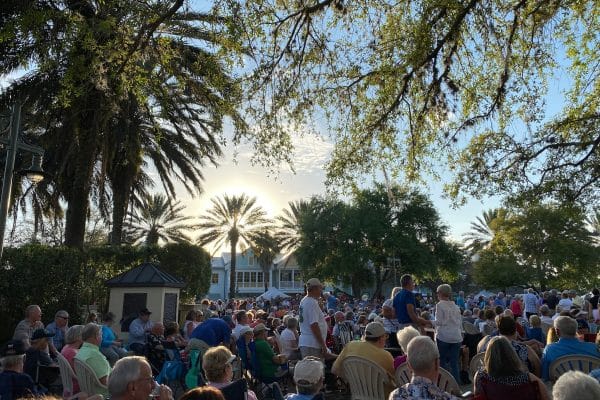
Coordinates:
(309,313)
(448,322)
(288,342)
(235,332)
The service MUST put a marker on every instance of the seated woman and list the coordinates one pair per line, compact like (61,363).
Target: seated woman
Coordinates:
(404,336)
(218,368)
(289,339)
(172,335)
(73,342)
(504,377)
(245,347)
(535,329)
(269,364)
(111,347)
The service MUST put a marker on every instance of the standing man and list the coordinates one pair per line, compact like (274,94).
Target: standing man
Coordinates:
(405,305)
(460,301)
(31,323)
(59,328)
(313,328)
(138,330)
(530,303)
(332,302)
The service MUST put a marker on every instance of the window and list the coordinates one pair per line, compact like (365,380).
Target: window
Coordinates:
(249,279)
(214,278)
(251,260)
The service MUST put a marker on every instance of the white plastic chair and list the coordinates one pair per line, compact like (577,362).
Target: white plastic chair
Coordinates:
(447,383)
(403,374)
(475,364)
(575,362)
(67,375)
(88,381)
(367,380)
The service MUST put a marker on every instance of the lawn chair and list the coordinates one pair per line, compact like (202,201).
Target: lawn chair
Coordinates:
(475,364)
(67,375)
(88,381)
(580,362)
(367,379)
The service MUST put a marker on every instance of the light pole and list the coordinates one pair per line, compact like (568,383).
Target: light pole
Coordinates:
(35,173)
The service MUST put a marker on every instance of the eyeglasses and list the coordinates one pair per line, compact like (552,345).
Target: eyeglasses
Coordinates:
(60,316)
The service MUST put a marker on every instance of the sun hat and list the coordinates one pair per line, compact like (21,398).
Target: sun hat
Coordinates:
(308,371)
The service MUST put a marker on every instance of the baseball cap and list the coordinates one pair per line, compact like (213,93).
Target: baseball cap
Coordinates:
(145,311)
(41,333)
(308,371)
(374,330)
(259,328)
(12,348)
(312,282)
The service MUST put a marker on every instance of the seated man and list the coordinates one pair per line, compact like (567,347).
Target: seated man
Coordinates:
(424,361)
(38,364)
(269,364)
(370,348)
(308,377)
(14,384)
(33,320)
(90,354)
(132,379)
(59,327)
(242,321)
(568,344)
(138,329)
(342,331)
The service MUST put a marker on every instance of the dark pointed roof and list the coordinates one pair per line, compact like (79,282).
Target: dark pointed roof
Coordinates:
(145,275)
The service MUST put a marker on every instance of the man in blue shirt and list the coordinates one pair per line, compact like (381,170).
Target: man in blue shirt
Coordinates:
(332,302)
(138,329)
(460,300)
(214,331)
(405,304)
(59,328)
(567,345)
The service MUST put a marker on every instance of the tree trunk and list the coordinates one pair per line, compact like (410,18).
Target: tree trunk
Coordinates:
(232,272)
(120,204)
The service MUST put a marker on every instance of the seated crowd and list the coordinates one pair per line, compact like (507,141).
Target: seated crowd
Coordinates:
(517,339)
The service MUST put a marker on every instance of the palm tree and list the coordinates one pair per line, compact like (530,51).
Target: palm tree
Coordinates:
(158,67)
(158,219)
(265,247)
(482,230)
(232,220)
(289,232)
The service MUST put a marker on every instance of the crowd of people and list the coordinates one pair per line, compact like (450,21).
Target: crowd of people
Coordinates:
(314,335)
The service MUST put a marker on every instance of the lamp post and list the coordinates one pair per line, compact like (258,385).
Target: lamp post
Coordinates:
(35,173)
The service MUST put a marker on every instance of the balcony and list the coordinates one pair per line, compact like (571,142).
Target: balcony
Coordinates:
(291,285)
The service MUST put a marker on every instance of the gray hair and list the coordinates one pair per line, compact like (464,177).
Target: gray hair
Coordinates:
(405,335)
(291,322)
(126,370)
(576,385)
(422,354)
(567,326)
(467,313)
(73,334)
(12,361)
(445,289)
(544,310)
(90,330)
(30,308)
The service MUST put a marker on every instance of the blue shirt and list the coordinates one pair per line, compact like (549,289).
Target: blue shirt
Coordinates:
(59,335)
(138,329)
(565,347)
(403,298)
(460,301)
(108,337)
(213,332)
(14,385)
(332,302)
(298,396)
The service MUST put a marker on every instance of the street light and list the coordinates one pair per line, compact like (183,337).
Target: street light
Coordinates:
(34,173)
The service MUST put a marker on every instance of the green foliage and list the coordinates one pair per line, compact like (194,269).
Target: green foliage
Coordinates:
(410,86)
(544,245)
(65,278)
(357,242)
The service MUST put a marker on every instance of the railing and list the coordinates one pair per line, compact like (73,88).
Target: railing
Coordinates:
(290,285)
(250,285)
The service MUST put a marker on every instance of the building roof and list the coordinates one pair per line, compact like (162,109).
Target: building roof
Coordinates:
(145,275)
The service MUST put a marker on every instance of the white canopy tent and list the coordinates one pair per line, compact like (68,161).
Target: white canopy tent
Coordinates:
(273,293)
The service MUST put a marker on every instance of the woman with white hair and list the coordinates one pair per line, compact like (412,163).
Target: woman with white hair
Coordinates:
(448,329)
(73,342)
(218,368)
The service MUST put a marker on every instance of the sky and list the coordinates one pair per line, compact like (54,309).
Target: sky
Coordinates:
(273,192)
